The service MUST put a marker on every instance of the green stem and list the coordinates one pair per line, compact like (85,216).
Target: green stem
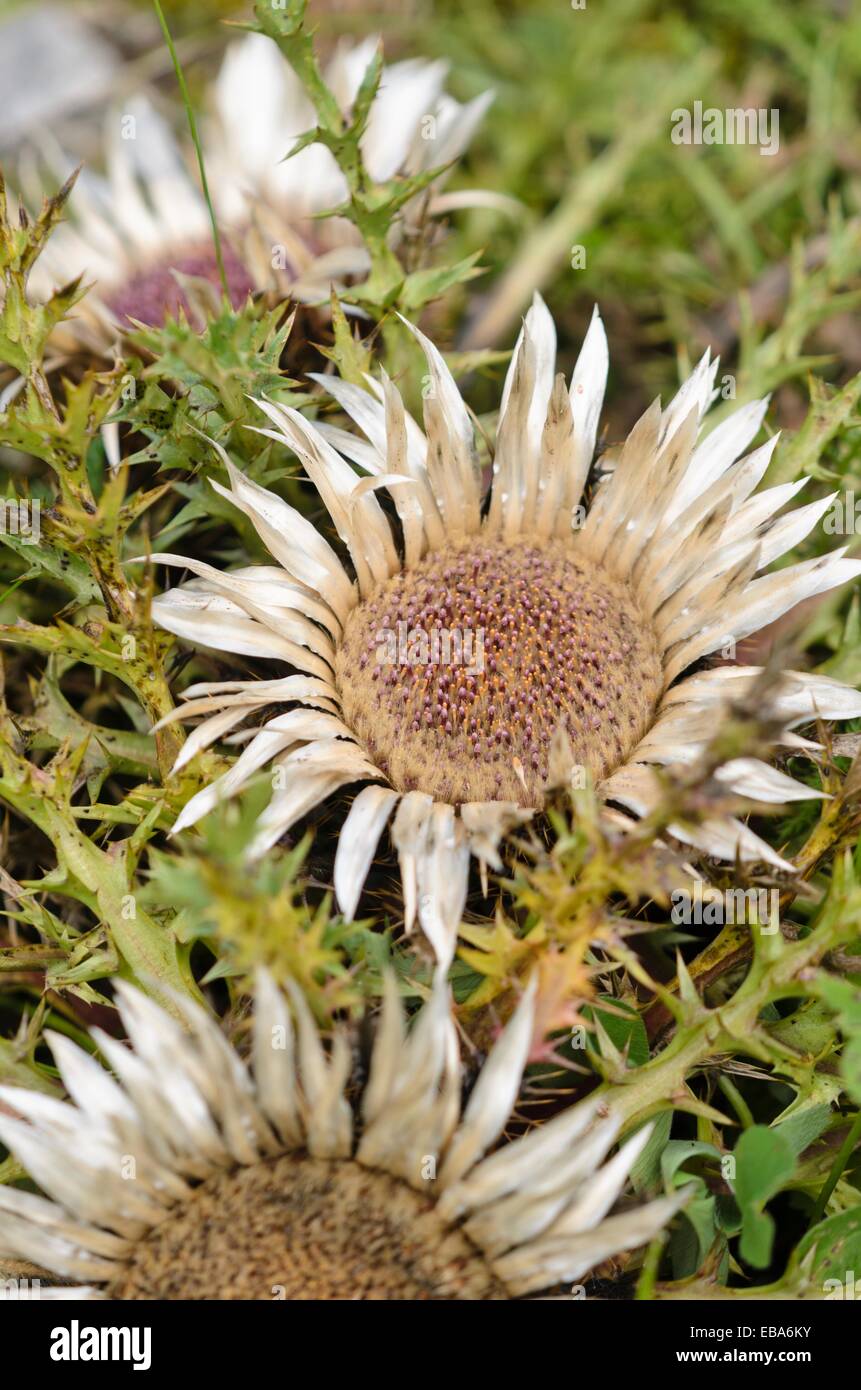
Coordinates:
(737,1101)
(843,1156)
(734,1027)
(192,125)
(649,1273)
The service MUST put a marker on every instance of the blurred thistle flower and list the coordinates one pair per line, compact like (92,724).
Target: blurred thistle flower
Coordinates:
(141,233)
(589,623)
(194,1177)
(414,127)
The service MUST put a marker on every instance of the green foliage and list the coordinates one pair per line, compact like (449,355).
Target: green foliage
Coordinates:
(117,936)
(844,997)
(200,382)
(709,1218)
(25,328)
(373,208)
(567,898)
(263,915)
(765,1161)
(829,1252)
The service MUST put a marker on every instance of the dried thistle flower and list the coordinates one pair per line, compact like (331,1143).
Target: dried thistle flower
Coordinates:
(587,629)
(142,236)
(250,1184)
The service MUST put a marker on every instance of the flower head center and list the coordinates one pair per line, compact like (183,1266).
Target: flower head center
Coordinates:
(457,674)
(154,294)
(302,1228)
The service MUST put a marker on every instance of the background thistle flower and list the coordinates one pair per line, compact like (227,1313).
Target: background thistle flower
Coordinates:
(142,235)
(242,1188)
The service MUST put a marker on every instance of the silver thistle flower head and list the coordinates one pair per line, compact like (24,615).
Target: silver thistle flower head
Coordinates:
(591,628)
(141,234)
(194,1176)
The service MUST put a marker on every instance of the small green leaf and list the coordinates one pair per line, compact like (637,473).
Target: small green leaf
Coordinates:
(624,1027)
(765,1161)
(832,1249)
(367,93)
(693,1237)
(349,353)
(425,285)
(800,1129)
(680,1151)
(647,1169)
